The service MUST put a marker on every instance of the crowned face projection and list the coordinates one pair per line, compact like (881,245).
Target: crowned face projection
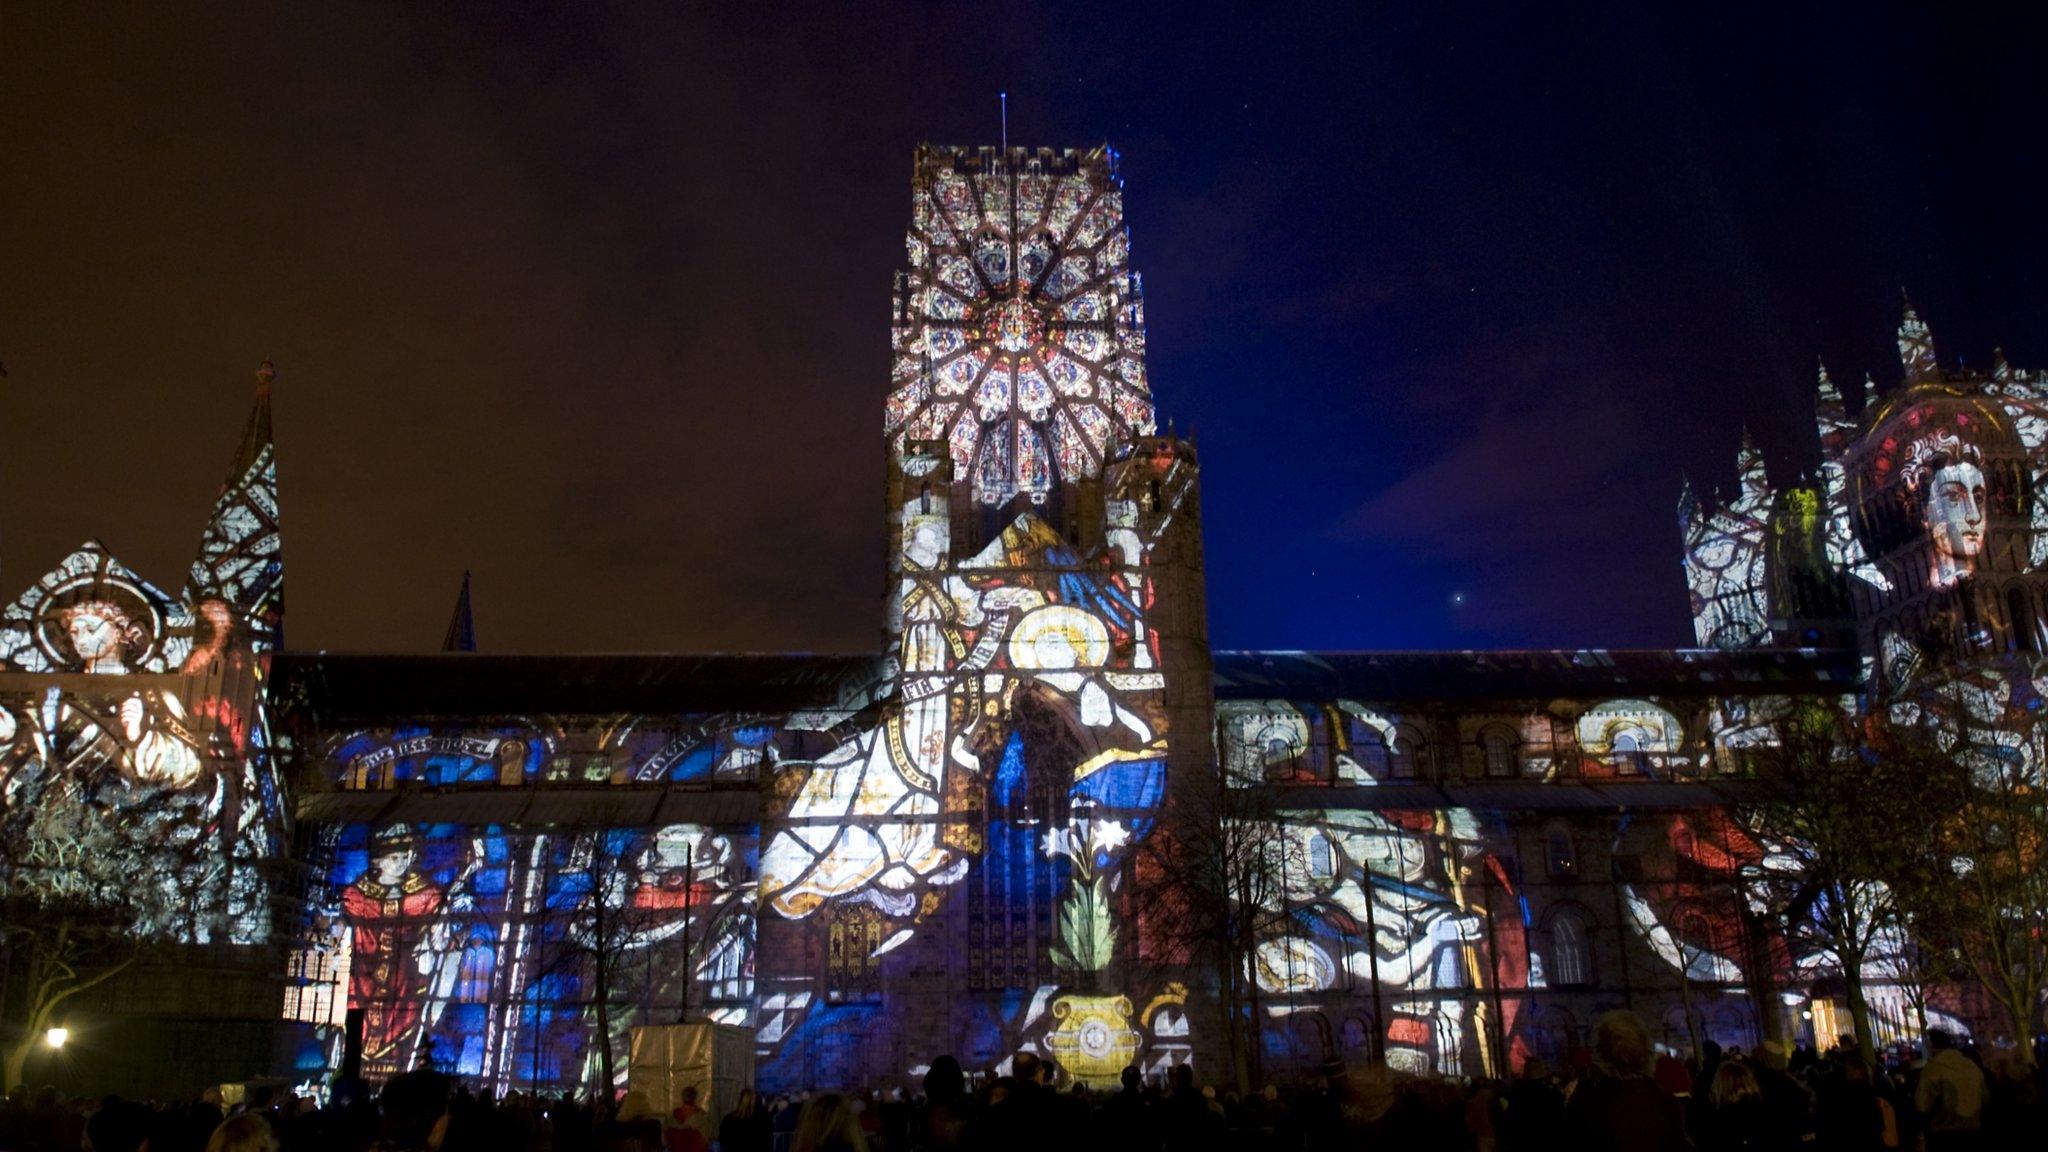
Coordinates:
(1954,517)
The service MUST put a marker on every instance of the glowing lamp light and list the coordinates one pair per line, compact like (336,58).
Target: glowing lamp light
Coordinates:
(56,1037)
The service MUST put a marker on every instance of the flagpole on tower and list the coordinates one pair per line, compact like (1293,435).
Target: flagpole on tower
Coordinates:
(1003,98)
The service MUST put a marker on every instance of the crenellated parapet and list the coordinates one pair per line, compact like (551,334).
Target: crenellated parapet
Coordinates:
(1724,557)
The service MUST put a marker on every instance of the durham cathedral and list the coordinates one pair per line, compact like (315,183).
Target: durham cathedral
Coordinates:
(1045,816)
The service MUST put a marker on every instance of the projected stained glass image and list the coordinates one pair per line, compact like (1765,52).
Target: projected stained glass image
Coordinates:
(510,956)
(1042,815)
(140,775)
(1020,334)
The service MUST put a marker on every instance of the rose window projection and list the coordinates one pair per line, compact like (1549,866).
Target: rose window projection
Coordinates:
(1019,338)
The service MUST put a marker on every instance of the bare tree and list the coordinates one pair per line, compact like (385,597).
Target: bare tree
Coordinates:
(601,931)
(1838,809)
(1981,894)
(1214,885)
(70,903)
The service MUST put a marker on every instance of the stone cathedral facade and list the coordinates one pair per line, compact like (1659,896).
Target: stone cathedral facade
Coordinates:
(501,865)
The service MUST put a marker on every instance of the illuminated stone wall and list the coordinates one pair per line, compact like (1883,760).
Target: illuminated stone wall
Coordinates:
(953,845)
(135,731)
(140,788)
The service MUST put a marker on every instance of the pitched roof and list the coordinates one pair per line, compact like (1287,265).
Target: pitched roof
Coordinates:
(334,687)
(1586,672)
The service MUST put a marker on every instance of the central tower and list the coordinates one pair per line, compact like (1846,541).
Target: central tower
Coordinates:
(1018,327)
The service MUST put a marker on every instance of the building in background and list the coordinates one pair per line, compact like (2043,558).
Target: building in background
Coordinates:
(968,843)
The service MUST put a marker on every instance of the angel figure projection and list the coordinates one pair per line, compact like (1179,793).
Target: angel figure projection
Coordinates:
(882,819)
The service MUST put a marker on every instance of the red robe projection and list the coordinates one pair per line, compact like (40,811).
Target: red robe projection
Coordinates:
(668,892)
(384,980)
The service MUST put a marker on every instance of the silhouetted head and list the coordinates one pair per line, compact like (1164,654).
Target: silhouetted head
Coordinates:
(1621,1045)
(944,1082)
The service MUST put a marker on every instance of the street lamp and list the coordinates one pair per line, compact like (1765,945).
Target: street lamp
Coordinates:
(56,1037)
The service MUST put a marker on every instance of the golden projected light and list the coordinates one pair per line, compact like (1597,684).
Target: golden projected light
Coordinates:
(1056,638)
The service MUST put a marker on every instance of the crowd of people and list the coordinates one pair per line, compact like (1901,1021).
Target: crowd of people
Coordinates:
(1623,1097)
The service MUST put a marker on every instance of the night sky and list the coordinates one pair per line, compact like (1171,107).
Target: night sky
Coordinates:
(595,302)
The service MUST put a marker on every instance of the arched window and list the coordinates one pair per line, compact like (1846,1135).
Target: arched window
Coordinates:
(1627,754)
(1369,748)
(852,974)
(1357,1034)
(1560,855)
(1570,965)
(1404,750)
(1696,935)
(1279,750)
(1497,747)
(1322,862)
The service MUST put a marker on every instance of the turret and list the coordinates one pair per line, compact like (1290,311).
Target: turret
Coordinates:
(1916,349)
(1018,335)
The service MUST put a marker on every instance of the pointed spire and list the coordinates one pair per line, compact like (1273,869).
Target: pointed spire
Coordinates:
(461,635)
(1688,503)
(1916,347)
(240,556)
(1828,398)
(256,437)
(2001,369)
(1831,415)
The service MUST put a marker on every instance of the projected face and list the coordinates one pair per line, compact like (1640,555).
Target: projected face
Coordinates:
(97,632)
(925,541)
(1954,516)
(392,863)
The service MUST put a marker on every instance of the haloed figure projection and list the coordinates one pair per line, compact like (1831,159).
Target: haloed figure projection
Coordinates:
(1945,475)
(101,634)
(1942,494)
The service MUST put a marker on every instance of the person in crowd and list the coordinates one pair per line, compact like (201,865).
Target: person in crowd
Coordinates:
(118,1126)
(636,1128)
(745,1128)
(2012,1108)
(1733,1117)
(1950,1096)
(1619,1108)
(1185,1120)
(828,1124)
(415,1108)
(1021,1112)
(1531,1110)
(244,1132)
(1787,1102)
(1848,1114)
(947,1111)
(690,1125)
